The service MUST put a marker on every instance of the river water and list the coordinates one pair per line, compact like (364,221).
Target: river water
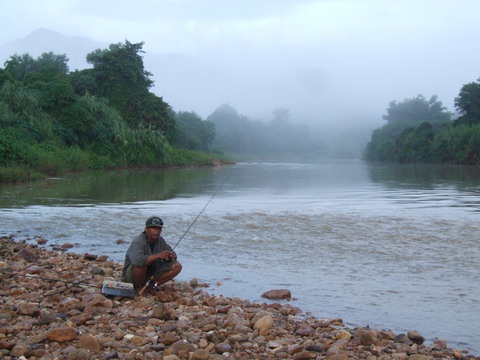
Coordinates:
(391,246)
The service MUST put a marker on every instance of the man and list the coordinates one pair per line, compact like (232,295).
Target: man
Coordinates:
(150,257)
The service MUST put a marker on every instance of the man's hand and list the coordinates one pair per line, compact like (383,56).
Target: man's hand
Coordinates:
(167,255)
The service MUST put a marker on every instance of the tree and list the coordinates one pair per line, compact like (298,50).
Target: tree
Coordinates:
(193,133)
(415,111)
(83,81)
(408,134)
(121,78)
(281,118)
(468,104)
(26,68)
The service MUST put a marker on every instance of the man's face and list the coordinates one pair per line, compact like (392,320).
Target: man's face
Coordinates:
(153,233)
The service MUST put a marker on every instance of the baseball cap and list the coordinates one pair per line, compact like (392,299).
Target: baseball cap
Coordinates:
(154,221)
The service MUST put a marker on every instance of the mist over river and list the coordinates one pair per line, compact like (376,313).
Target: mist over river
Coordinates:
(391,246)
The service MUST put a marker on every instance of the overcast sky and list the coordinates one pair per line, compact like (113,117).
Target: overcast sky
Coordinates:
(325,60)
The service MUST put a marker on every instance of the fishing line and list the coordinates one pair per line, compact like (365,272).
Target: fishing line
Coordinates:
(200,213)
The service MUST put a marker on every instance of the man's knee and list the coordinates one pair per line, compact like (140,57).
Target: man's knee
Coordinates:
(176,267)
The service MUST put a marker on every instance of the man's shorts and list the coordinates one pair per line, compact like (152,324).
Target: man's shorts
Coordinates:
(156,269)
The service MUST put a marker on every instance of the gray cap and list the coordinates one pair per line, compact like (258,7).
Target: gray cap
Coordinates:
(154,221)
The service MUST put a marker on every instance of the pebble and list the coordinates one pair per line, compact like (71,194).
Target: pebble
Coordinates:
(44,319)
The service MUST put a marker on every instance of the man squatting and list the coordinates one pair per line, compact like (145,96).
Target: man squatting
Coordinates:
(149,257)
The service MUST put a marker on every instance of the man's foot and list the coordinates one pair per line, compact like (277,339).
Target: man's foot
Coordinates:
(153,290)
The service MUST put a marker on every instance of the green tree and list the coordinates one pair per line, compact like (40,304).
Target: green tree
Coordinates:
(26,68)
(408,133)
(83,81)
(193,133)
(468,104)
(415,111)
(121,78)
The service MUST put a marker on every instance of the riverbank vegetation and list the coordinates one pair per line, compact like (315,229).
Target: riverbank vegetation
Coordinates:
(421,130)
(54,121)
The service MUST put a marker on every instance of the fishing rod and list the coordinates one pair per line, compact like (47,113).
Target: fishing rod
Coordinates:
(200,213)
(150,281)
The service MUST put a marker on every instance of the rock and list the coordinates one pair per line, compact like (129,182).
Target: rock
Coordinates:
(418,357)
(28,255)
(89,257)
(200,354)
(416,337)
(305,355)
(158,312)
(343,334)
(168,338)
(36,339)
(7,345)
(316,348)
(110,355)
(279,294)
(79,354)
(221,348)
(46,319)
(97,271)
(178,346)
(21,350)
(171,357)
(365,337)
(89,342)
(29,309)
(457,354)
(342,356)
(440,344)
(80,319)
(62,334)
(66,246)
(337,347)
(265,322)
(403,339)
(305,331)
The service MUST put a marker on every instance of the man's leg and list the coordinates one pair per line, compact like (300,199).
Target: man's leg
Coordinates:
(162,276)
(139,277)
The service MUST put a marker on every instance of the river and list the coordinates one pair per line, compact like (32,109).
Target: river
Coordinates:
(391,246)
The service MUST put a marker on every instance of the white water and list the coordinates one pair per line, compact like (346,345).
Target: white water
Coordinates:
(391,247)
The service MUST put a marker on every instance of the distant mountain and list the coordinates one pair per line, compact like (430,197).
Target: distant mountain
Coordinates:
(44,40)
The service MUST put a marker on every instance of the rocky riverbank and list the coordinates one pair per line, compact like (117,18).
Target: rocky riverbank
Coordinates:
(52,307)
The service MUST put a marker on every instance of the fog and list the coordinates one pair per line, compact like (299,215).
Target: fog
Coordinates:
(335,63)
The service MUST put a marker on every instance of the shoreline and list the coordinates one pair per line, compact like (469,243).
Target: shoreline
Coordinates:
(51,307)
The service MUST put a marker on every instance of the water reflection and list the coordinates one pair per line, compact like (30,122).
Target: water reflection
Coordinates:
(110,187)
(425,175)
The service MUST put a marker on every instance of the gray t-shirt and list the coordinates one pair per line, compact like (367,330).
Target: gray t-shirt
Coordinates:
(139,250)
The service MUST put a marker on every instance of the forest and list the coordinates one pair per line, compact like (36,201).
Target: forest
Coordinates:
(55,121)
(422,130)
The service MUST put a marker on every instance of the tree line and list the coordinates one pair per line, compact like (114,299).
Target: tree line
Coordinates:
(53,121)
(422,130)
